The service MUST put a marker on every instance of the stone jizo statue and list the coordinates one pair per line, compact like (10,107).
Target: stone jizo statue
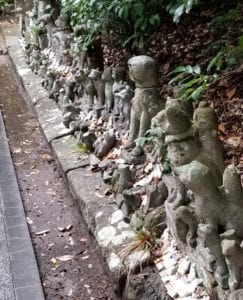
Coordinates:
(146,102)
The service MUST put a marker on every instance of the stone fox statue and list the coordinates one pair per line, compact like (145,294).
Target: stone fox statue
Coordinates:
(146,102)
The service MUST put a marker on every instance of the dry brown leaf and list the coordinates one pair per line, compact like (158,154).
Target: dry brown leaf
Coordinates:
(230,93)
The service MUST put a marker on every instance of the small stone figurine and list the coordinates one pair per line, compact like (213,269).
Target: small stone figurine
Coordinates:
(146,102)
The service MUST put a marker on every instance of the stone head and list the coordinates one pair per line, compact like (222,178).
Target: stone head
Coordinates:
(175,118)
(142,70)
(205,118)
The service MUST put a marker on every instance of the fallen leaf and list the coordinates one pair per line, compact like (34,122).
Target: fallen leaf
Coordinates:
(63,229)
(85,257)
(234,141)
(55,262)
(29,221)
(16,150)
(230,93)
(51,193)
(83,240)
(99,195)
(71,241)
(65,257)
(42,232)
(221,128)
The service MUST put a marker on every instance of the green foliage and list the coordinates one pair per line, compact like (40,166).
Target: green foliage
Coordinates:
(178,7)
(228,56)
(6,5)
(131,20)
(191,82)
(151,137)
(234,54)
(216,62)
(82,148)
(222,21)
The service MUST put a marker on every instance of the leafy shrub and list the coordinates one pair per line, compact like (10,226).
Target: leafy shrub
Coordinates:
(222,21)
(228,56)
(191,82)
(178,7)
(6,5)
(129,19)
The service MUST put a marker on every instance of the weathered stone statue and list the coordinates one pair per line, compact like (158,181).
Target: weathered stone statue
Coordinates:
(125,96)
(119,77)
(35,60)
(88,85)
(206,123)
(108,80)
(208,224)
(146,102)
(49,80)
(99,84)
(61,37)
(48,21)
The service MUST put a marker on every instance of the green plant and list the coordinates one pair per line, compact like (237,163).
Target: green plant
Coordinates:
(82,148)
(178,7)
(6,5)
(191,82)
(228,56)
(216,62)
(130,20)
(222,21)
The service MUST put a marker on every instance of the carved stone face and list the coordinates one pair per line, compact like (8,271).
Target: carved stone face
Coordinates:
(142,71)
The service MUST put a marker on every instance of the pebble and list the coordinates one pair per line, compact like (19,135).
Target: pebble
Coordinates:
(184,266)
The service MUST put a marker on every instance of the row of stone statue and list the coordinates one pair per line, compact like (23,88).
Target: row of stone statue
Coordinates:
(204,203)
(69,73)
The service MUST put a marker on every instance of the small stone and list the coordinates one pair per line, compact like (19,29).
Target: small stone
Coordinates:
(116,217)
(184,266)
(114,263)
(123,238)
(170,262)
(137,259)
(122,225)
(105,235)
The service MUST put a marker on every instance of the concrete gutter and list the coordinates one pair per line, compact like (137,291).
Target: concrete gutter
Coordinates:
(19,275)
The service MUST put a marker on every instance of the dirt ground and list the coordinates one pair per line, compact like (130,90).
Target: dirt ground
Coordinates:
(67,258)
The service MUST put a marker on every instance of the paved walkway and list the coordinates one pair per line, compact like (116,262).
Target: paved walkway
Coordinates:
(19,275)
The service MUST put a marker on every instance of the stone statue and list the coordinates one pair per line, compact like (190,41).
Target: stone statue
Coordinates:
(99,84)
(206,123)
(119,77)
(211,220)
(35,60)
(88,85)
(108,80)
(49,80)
(61,37)
(146,102)
(125,96)
(48,21)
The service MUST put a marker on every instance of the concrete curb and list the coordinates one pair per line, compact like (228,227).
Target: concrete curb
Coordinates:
(102,216)
(19,273)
